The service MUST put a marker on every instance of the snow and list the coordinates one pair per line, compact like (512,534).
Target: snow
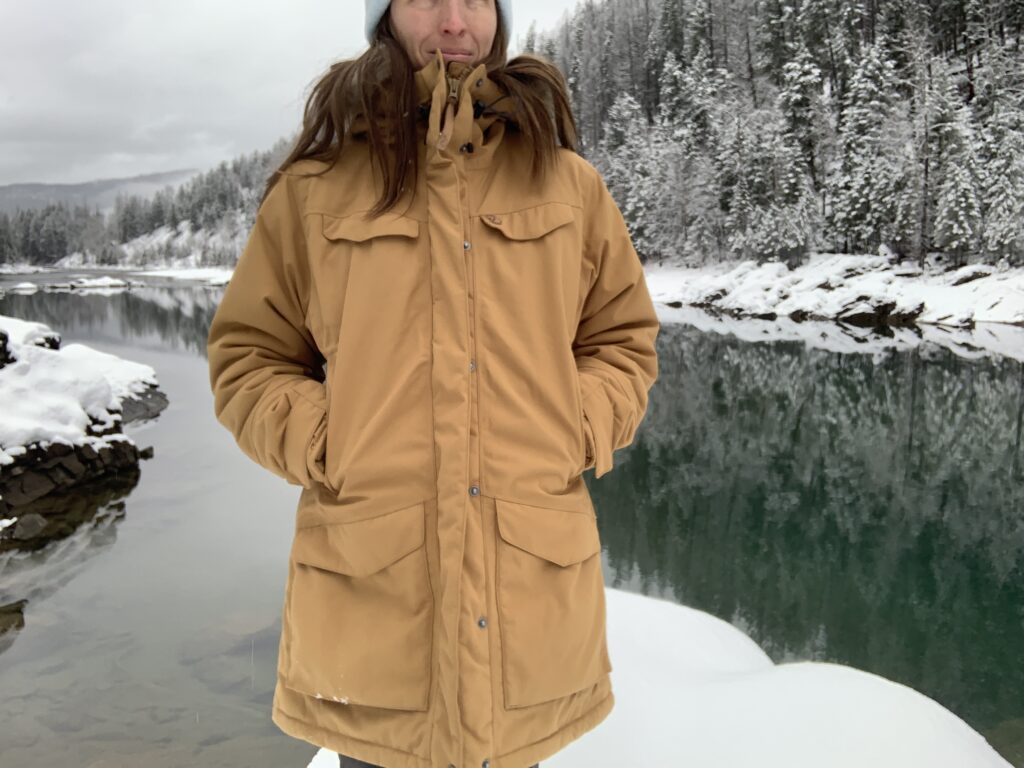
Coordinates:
(987,340)
(209,275)
(59,392)
(20,269)
(100,282)
(693,690)
(25,288)
(832,286)
(7,521)
(182,246)
(21,332)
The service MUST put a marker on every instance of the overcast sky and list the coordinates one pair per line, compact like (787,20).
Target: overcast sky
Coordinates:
(105,89)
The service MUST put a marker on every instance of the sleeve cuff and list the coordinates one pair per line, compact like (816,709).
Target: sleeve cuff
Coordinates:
(597,425)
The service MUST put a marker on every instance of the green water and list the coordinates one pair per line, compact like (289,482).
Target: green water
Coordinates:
(835,507)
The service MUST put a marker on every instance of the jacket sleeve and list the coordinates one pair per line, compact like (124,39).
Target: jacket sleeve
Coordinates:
(265,367)
(615,340)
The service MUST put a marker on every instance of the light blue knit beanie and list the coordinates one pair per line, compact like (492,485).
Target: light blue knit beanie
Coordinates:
(376,8)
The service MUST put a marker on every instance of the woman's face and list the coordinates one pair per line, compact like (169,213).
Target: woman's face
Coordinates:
(463,29)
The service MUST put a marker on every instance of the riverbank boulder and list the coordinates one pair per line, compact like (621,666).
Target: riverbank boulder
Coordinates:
(61,429)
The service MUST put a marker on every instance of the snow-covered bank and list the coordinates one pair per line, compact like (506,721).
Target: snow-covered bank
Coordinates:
(987,339)
(693,690)
(208,275)
(62,419)
(857,290)
(79,281)
(20,269)
(103,285)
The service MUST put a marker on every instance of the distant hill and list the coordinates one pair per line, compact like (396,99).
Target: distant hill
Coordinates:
(94,194)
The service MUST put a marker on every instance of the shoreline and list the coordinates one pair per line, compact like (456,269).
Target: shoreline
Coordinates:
(837,302)
(863,291)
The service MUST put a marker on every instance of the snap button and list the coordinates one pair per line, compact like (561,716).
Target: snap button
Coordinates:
(472,365)
(482,622)
(479,83)
(485,764)
(465,245)
(474,490)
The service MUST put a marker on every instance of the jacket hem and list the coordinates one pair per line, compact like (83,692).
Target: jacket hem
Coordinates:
(366,751)
(392,758)
(568,733)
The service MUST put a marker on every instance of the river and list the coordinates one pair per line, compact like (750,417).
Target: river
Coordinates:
(864,509)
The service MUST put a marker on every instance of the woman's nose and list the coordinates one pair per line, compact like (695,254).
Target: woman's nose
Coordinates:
(452,21)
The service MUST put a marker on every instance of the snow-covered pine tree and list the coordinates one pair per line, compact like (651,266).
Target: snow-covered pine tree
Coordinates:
(958,180)
(863,183)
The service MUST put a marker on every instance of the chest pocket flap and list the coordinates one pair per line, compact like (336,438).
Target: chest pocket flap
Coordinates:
(530,223)
(357,227)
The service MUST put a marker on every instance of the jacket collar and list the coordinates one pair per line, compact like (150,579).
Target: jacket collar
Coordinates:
(458,104)
(461,102)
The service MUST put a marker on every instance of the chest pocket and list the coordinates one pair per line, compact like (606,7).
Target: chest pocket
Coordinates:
(530,223)
(358,229)
(531,258)
(362,267)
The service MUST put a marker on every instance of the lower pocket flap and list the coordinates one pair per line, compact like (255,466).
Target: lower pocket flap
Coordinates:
(364,546)
(558,535)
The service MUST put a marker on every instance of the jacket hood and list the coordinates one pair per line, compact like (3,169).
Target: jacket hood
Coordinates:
(442,88)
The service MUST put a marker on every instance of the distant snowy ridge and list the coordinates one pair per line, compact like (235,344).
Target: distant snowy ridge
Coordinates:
(176,247)
(859,290)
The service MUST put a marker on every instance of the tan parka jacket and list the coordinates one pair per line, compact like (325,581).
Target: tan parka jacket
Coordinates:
(437,379)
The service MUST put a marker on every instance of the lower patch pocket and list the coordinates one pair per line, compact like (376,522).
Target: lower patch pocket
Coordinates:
(359,612)
(551,602)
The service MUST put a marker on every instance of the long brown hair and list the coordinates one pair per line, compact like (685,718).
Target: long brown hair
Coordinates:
(364,85)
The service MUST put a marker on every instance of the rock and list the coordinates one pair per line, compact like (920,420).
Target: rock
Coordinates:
(58,468)
(65,511)
(974,272)
(29,526)
(143,407)
(12,616)
(5,351)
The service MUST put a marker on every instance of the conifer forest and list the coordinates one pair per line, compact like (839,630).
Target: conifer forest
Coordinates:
(730,129)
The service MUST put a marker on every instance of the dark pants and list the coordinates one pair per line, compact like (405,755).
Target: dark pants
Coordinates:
(351,762)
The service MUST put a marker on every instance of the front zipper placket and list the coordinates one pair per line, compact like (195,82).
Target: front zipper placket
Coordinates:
(465,727)
(474,630)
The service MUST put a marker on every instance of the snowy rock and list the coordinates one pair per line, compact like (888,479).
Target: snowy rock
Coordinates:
(864,291)
(22,332)
(67,428)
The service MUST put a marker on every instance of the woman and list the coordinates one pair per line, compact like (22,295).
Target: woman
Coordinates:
(437,324)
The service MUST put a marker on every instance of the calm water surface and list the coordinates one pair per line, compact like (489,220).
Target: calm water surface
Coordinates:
(833,506)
